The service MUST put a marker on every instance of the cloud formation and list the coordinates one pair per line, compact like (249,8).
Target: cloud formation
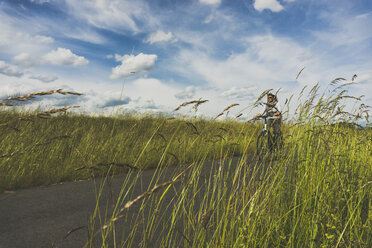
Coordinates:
(160,36)
(9,70)
(236,93)
(133,64)
(272,5)
(115,15)
(210,2)
(25,60)
(63,56)
(45,78)
(188,93)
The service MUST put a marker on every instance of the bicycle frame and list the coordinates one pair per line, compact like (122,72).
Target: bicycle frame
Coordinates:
(267,118)
(266,134)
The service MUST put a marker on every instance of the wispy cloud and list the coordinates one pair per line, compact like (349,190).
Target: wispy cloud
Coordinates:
(116,15)
(161,36)
(240,93)
(211,2)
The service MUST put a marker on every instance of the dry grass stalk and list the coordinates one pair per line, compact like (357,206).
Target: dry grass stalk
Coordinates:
(174,156)
(227,108)
(223,129)
(237,116)
(162,136)
(183,235)
(354,77)
(298,74)
(219,136)
(276,93)
(204,221)
(218,115)
(53,111)
(336,80)
(85,167)
(43,93)
(5,104)
(7,155)
(72,231)
(11,127)
(34,147)
(302,91)
(147,193)
(230,106)
(196,102)
(117,164)
(48,113)
(140,197)
(264,93)
(193,126)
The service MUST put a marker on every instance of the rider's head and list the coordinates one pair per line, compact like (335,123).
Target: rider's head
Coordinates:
(271,98)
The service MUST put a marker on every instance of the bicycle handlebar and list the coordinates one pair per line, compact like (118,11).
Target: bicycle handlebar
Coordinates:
(264,117)
(267,117)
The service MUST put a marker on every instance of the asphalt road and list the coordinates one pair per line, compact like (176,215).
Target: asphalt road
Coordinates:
(43,216)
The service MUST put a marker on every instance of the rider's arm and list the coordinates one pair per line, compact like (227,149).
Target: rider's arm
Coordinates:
(278,112)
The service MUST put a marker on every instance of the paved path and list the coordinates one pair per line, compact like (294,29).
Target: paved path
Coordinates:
(42,216)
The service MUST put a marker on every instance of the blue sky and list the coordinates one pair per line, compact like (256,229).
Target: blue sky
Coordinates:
(170,51)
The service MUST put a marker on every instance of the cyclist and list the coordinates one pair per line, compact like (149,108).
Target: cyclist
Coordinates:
(272,110)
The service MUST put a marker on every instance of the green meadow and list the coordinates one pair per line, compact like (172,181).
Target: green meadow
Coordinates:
(316,193)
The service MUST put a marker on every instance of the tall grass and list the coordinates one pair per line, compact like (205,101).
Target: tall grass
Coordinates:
(317,193)
(41,148)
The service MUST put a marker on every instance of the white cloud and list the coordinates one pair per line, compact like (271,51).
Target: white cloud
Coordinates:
(15,39)
(14,71)
(272,5)
(9,70)
(131,64)
(210,2)
(151,93)
(63,56)
(160,36)
(240,93)
(25,60)
(261,63)
(188,93)
(45,78)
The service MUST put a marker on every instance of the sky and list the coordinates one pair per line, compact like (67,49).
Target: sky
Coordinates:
(151,56)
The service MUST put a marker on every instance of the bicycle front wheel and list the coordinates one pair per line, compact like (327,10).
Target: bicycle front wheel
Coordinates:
(262,145)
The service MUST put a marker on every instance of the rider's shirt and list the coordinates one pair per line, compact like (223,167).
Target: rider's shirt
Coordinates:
(271,108)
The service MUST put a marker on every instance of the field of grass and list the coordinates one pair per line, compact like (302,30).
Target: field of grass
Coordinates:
(316,193)
(67,147)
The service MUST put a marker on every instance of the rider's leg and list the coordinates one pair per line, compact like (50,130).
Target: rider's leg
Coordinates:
(276,129)
(276,126)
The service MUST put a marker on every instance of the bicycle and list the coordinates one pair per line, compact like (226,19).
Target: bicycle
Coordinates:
(268,144)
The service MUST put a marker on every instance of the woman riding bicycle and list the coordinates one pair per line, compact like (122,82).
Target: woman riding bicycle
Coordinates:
(272,110)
